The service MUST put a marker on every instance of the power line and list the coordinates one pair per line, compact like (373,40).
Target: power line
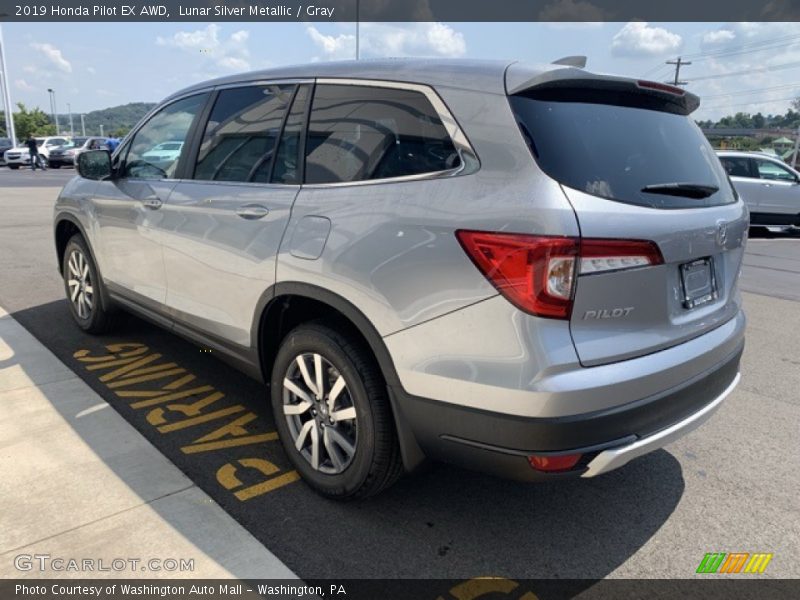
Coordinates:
(752,91)
(791,65)
(746,48)
(771,100)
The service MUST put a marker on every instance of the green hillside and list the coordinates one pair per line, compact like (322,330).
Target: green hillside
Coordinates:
(116,120)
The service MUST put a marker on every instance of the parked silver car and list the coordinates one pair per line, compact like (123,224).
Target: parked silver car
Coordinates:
(769,187)
(530,270)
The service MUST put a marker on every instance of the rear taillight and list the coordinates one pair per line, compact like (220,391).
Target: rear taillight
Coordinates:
(537,273)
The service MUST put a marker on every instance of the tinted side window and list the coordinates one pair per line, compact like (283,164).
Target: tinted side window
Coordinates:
(241,133)
(147,158)
(737,166)
(357,133)
(288,159)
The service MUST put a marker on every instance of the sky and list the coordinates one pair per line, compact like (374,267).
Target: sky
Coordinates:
(747,67)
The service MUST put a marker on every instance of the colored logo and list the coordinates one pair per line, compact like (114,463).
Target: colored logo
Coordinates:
(735,562)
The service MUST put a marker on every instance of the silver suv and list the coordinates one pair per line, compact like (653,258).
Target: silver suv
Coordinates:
(768,186)
(530,270)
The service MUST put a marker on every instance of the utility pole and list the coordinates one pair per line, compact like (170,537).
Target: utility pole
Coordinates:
(101,130)
(83,126)
(796,147)
(10,131)
(678,64)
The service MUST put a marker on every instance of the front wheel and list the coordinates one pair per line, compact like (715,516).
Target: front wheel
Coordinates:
(14,167)
(332,413)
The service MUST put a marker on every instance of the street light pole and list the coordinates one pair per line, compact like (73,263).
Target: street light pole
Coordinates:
(71,128)
(55,108)
(7,94)
(83,126)
(101,130)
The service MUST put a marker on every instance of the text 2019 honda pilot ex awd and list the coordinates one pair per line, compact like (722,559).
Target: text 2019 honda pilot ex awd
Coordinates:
(528,270)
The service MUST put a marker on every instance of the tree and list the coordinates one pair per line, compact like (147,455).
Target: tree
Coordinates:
(32,122)
(120,132)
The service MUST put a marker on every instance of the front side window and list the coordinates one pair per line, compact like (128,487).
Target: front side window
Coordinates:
(358,133)
(241,133)
(770,170)
(147,158)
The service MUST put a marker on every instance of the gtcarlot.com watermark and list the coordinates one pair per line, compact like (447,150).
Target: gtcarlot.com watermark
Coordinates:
(58,564)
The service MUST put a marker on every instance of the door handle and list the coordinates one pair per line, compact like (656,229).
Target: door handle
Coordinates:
(252,212)
(152,202)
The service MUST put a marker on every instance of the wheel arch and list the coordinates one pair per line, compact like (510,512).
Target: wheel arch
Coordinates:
(287,304)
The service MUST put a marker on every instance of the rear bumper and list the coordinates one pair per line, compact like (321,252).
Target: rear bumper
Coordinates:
(607,439)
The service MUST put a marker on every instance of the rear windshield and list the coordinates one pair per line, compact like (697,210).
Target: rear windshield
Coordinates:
(615,151)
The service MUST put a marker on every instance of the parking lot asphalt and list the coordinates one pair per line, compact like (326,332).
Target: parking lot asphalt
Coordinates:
(728,487)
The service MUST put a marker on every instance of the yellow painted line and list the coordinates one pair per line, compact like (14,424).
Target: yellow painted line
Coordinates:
(143,378)
(235,428)
(180,382)
(231,443)
(139,393)
(194,409)
(267,486)
(112,363)
(130,367)
(173,396)
(231,410)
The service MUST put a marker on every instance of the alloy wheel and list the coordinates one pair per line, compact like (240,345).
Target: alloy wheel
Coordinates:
(320,413)
(79,283)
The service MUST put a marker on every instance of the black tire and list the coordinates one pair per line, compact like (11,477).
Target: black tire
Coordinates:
(96,318)
(55,166)
(376,463)
(14,167)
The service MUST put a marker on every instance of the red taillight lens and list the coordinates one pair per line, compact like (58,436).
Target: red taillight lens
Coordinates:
(554,463)
(661,87)
(535,273)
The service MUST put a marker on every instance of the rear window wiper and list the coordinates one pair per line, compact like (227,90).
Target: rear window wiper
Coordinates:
(689,190)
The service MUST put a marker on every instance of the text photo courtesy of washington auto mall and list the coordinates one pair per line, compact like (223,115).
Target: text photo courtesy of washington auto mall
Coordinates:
(399,300)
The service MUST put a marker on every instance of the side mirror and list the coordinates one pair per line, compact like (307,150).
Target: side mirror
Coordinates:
(94,164)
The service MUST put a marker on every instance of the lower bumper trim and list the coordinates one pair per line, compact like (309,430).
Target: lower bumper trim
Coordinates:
(613,458)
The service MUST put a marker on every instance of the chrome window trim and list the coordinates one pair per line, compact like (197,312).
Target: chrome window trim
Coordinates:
(469,159)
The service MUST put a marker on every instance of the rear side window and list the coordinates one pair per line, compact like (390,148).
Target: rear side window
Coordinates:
(616,151)
(739,166)
(242,132)
(358,133)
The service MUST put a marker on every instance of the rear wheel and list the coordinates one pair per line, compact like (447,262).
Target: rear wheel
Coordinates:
(82,284)
(332,413)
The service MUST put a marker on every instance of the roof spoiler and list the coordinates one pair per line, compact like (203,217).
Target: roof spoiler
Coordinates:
(554,81)
(576,61)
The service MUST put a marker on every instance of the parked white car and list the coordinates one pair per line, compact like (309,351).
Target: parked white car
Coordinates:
(19,156)
(769,187)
